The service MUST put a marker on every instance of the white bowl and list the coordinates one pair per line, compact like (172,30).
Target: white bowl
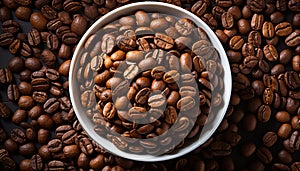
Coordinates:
(159,7)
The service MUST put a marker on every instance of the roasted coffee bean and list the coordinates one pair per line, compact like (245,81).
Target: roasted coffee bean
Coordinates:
(6,39)
(269,139)
(18,136)
(264,113)
(220,148)
(236,42)
(10,26)
(48,12)
(51,105)
(293,39)
(5,111)
(79,24)
(70,38)
(71,6)
(247,149)
(294,5)
(48,58)
(25,102)
(224,3)
(52,42)
(38,21)
(227,20)
(37,162)
(56,165)
(256,6)
(264,155)
(270,52)
(283,29)
(199,8)
(45,121)
(4,14)
(54,146)
(284,131)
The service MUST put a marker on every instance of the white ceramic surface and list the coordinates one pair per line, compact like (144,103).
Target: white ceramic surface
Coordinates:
(149,7)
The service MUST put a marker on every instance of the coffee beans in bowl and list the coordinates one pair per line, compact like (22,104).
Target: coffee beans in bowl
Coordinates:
(150,81)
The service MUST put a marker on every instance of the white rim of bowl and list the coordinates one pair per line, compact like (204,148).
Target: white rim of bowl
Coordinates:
(226,96)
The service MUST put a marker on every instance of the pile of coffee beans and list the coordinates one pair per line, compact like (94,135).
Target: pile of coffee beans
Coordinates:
(39,131)
(148,81)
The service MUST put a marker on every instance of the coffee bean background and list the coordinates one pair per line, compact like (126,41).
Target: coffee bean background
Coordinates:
(45,135)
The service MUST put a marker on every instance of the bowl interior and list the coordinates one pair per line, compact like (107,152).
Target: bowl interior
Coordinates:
(159,7)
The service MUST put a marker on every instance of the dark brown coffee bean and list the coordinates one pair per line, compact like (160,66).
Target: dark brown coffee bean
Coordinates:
(284,131)
(227,20)
(38,21)
(37,162)
(283,29)
(5,111)
(18,136)
(40,84)
(220,148)
(10,26)
(79,24)
(43,136)
(34,37)
(52,42)
(45,121)
(15,46)
(264,155)
(27,149)
(6,39)
(69,38)
(40,97)
(56,165)
(292,79)
(25,102)
(256,6)
(217,12)
(264,113)
(236,42)
(270,53)
(5,14)
(282,116)
(199,8)
(269,139)
(51,105)
(48,58)
(54,146)
(48,12)
(71,6)
(23,13)
(254,38)
(13,92)
(247,149)
(285,157)
(293,39)
(294,5)
(224,3)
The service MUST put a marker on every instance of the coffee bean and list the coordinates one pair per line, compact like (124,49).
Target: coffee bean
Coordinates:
(199,8)
(264,155)
(142,18)
(10,26)
(48,58)
(56,165)
(69,38)
(270,53)
(6,39)
(256,6)
(18,136)
(269,139)
(37,162)
(38,21)
(293,39)
(224,3)
(220,148)
(4,14)
(45,121)
(227,20)
(184,26)
(264,113)
(247,149)
(79,24)
(284,131)
(283,29)
(254,38)
(236,42)
(285,157)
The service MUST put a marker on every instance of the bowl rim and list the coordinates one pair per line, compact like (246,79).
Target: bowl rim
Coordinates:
(213,38)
